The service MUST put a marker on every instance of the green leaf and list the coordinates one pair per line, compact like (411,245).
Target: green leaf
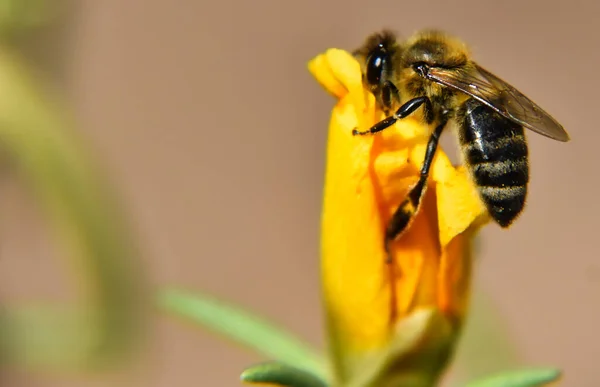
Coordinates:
(528,378)
(281,374)
(243,327)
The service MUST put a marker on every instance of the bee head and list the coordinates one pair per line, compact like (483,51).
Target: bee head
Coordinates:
(377,56)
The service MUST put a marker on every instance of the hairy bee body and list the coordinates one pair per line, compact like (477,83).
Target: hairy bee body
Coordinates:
(495,153)
(433,74)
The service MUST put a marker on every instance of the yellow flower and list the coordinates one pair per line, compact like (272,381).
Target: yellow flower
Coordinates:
(389,324)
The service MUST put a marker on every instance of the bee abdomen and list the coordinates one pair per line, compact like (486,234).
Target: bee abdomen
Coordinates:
(501,173)
(495,152)
(504,203)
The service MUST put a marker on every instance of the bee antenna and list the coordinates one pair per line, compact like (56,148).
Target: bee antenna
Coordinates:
(421,68)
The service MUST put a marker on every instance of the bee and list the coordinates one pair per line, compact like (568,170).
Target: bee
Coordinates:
(435,71)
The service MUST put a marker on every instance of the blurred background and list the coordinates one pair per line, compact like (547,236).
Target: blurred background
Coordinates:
(206,121)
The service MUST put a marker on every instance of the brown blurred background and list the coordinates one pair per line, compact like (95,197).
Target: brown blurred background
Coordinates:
(214,132)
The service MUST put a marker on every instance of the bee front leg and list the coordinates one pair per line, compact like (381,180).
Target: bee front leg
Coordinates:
(389,96)
(406,212)
(404,111)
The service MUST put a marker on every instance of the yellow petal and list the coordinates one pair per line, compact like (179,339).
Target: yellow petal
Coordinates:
(457,201)
(319,67)
(354,277)
(339,73)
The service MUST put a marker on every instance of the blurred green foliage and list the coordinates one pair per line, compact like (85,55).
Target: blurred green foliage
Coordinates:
(242,327)
(293,363)
(37,137)
(17,16)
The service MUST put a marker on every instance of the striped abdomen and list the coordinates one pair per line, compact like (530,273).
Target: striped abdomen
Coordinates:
(496,153)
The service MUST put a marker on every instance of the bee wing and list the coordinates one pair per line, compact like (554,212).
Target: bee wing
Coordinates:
(500,96)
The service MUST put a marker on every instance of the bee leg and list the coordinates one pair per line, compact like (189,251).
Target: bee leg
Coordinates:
(404,111)
(389,96)
(405,213)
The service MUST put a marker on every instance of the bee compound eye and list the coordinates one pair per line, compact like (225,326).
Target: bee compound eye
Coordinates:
(375,65)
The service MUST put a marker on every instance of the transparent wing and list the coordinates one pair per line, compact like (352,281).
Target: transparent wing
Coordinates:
(500,96)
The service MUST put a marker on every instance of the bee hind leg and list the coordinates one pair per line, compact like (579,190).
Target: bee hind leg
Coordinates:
(407,210)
